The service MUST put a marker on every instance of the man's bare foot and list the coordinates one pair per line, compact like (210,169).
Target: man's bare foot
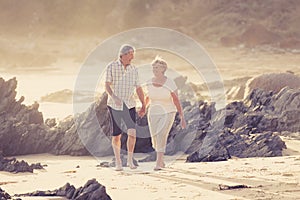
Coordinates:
(119,166)
(157,168)
(131,165)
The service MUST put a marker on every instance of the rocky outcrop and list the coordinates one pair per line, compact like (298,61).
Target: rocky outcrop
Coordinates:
(275,112)
(92,190)
(13,165)
(24,132)
(4,195)
(235,89)
(272,82)
(243,129)
(250,128)
(22,127)
(86,133)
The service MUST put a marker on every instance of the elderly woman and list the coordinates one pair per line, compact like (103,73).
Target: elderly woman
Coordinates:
(163,103)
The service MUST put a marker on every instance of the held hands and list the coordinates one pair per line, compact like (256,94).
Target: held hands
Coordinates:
(142,111)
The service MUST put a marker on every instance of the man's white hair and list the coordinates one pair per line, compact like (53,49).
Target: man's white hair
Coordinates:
(125,48)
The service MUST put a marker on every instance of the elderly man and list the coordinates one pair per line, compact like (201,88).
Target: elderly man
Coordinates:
(121,81)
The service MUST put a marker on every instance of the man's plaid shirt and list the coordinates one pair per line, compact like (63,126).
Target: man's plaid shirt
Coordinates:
(124,82)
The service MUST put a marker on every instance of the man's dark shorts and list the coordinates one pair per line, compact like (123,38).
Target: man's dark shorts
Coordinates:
(126,115)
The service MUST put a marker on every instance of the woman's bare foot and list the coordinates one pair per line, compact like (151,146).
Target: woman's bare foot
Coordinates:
(157,168)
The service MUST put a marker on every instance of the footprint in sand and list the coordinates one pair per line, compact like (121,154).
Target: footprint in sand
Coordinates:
(287,174)
(7,182)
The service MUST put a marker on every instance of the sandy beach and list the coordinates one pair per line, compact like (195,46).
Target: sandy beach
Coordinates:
(45,46)
(268,178)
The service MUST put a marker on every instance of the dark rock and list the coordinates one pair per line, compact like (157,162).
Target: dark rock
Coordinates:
(92,190)
(104,164)
(210,150)
(4,195)
(12,165)
(227,187)
(51,122)
(22,128)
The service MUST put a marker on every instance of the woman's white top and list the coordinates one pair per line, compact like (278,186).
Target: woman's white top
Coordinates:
(161,101)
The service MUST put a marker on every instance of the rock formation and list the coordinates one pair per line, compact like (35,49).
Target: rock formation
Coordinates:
(4,195)
(13,165)
(243,129)
(92,190)
(272,82)
(22,127)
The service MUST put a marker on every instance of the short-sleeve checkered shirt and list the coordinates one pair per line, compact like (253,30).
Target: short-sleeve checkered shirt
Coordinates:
(124,82)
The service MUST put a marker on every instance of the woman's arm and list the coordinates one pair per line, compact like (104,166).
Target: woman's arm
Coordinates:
(179,108)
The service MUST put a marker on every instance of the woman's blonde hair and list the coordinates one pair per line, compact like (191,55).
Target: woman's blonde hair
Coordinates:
(161,61)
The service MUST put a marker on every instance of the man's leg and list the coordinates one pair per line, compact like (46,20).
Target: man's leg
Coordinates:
(131,133)
(116,138)
(116,144)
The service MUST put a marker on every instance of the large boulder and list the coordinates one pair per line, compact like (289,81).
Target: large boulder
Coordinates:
(272,82)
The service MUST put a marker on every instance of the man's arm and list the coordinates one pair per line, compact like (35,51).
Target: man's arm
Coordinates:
(109,91)
(140,94)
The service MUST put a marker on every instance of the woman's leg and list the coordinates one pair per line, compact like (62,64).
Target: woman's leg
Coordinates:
(159,160)
(152,122)
(165,123)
